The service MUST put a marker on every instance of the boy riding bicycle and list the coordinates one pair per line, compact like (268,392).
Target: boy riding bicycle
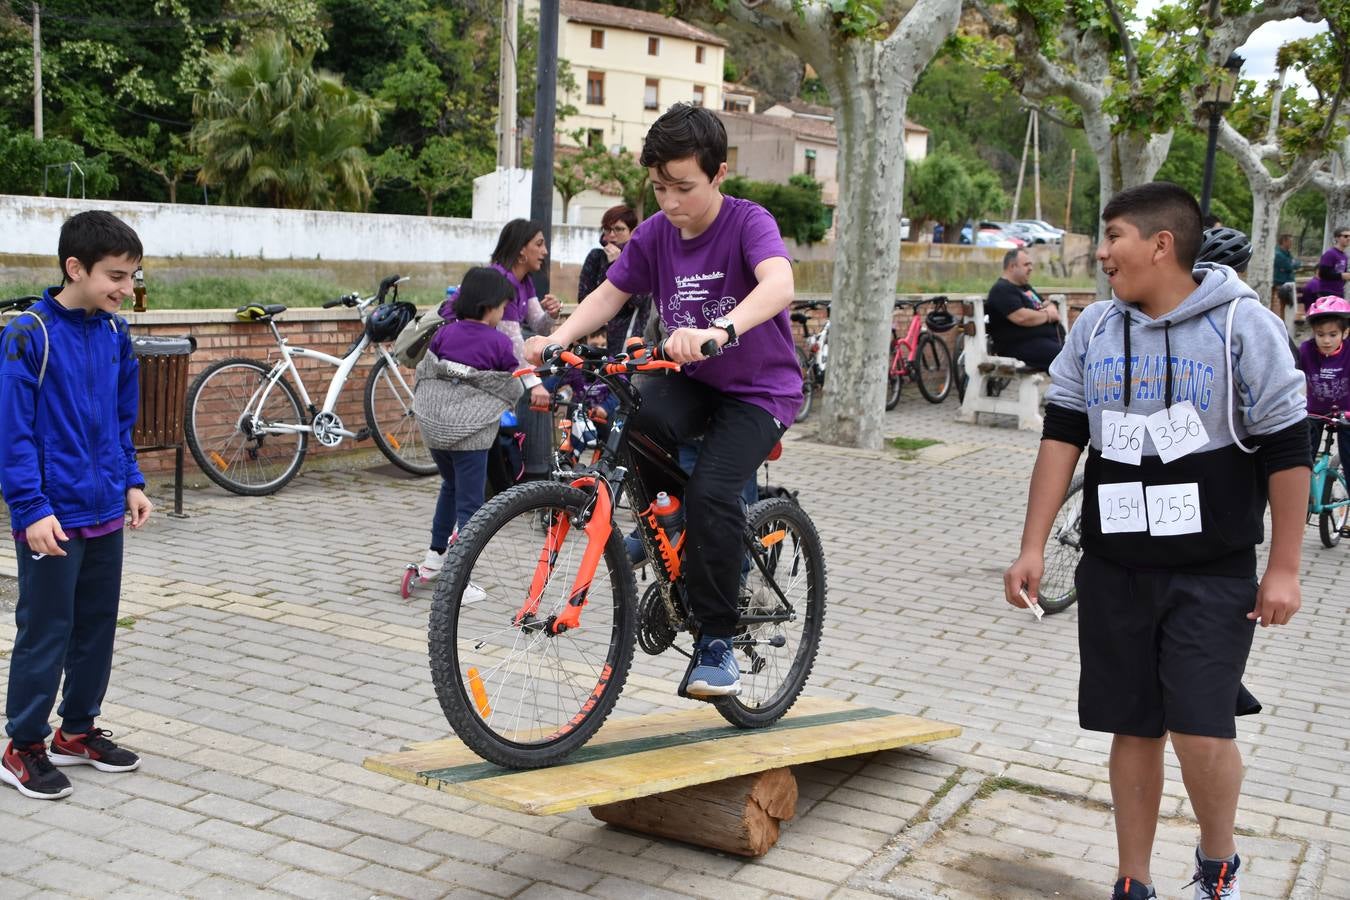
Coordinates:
(719,272)
(1184,392)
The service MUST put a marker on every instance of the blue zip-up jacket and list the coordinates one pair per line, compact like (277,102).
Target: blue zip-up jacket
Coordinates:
(65,448)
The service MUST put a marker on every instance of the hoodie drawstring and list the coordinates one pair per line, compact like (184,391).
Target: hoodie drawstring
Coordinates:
(1129,375)
(1167,360)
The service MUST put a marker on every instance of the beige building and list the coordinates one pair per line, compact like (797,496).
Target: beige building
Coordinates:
(630,66)
(774,148)
(916,136)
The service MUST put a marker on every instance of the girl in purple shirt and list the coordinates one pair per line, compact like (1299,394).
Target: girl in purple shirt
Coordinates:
(1325,362)
(718,270)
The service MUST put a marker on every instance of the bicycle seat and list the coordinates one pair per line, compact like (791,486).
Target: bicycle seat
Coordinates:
(799,317)
(254,312)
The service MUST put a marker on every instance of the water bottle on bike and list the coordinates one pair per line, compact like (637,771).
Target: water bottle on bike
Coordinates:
(669,519)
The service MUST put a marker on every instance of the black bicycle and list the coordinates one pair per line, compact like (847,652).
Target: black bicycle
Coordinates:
(536,612)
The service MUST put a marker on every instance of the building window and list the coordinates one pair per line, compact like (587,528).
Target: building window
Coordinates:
(735,104)
(595,137)
(650,97)
(595,88)
(698,53)
(698,95)
(653,46)
(597,39)
(811,163)
(731,159)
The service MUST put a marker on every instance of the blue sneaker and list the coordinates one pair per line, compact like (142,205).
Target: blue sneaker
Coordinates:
(715,672)
(637,551)
(1130,889)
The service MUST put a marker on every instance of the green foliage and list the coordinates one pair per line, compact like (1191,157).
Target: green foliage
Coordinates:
(275,131)
(1185,165)
(440,166)
(950,189)
(24,159)
(796,205)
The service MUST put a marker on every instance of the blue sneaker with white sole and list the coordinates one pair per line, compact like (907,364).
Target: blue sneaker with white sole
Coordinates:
(715,671)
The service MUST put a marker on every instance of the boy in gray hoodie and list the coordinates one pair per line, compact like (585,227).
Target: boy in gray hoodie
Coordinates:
(1182,389)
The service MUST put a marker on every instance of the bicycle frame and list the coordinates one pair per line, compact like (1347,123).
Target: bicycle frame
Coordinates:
(344,366)
(907,347)
(625,453)
(1322,470)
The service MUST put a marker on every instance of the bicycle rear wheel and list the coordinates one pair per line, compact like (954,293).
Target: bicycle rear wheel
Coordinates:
(517,694)
(1330,522)
(786,582)
(389,413)
(1062,552)
(933,365)
(225,428)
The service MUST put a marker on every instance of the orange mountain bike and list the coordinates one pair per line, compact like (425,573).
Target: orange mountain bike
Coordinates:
(536,611)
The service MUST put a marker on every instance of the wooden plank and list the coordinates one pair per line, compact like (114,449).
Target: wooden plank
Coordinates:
(653,754)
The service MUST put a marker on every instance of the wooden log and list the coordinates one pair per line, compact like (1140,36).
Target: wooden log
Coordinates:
(737,815)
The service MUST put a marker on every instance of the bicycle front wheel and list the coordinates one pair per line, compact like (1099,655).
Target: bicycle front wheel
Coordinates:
(933,366)
(808,384)
(231,408)
(1333,519)
(895,374)
(389,413)
(782,606)
(1062,552)
(516,693)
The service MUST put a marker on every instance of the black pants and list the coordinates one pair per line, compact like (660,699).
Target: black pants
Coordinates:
(67,618)
(1037,353)
(737,437)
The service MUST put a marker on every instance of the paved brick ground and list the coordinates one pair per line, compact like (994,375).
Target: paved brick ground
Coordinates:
(270,653)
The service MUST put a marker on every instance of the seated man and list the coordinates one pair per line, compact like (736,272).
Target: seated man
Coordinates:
(1021,324)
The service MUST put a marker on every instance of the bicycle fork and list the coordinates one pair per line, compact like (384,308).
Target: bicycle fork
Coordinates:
(599,523)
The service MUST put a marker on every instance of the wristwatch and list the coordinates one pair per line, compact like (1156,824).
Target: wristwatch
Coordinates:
(726,325)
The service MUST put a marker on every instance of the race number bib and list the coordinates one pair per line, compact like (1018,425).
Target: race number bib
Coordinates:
(1176,431)
(1123,436)
(1121,507)
(1174,509)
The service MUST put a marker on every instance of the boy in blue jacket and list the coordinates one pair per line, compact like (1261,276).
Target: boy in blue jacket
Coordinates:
(68,398)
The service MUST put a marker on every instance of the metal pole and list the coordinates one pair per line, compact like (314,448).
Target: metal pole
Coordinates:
(1036,159)
(1068,208)
(1021,171)
(1208,189)
(37,73)
(506,100)
(545,103)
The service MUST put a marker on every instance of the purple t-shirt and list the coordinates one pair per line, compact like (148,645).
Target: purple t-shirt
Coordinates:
(473,344)
(87,532)
(518,306)
(1328,378)
(1335,260)
(696,281)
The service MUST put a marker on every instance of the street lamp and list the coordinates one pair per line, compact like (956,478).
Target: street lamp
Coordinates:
(1218,97)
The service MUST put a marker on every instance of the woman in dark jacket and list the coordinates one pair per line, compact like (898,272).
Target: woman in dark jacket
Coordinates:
(616,227)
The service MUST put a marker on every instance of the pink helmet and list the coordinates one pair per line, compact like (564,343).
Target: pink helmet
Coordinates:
(1327,307)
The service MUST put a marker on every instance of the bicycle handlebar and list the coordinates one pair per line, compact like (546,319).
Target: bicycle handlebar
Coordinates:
(344,300)
(1338,419)
(19,303)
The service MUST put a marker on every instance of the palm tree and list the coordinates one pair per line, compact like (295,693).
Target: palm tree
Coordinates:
(272,130)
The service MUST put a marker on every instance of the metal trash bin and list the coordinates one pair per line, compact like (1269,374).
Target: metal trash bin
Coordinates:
(163,389)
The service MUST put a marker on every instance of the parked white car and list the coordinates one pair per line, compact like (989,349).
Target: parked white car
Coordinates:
(1042,232)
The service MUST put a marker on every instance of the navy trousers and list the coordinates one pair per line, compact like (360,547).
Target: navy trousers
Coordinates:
(67,618)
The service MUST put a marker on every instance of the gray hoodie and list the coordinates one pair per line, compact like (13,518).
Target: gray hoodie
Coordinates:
(1202,510)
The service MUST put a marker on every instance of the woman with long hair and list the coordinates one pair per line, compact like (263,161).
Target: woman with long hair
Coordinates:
(521,251)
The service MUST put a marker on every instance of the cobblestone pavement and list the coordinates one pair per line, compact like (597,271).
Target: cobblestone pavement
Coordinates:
(266,652)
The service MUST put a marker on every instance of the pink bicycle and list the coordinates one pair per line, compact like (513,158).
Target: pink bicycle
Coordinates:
(920,356)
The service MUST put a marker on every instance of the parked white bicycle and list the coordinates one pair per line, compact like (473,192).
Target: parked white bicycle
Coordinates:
(249,429)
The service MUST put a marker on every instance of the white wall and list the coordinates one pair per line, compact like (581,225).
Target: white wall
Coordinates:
(31,225)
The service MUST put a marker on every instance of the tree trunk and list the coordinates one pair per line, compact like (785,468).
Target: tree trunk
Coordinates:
(1123,160)
(173,189)
(869,110)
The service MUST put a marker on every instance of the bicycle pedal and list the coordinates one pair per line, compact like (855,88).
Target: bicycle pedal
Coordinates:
(362,435)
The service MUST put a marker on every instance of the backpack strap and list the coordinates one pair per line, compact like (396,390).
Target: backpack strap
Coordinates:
(46,343)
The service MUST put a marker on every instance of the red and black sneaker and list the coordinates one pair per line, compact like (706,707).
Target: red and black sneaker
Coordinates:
(28,768)
(92,749)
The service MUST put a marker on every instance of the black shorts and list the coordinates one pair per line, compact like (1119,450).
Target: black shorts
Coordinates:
(1162,651)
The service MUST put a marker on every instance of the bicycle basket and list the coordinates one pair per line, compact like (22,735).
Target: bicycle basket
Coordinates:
(939,320)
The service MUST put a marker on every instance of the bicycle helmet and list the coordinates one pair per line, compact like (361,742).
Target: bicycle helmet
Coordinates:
(387,320)
(1227,247)
(1328,308)
(939,320)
